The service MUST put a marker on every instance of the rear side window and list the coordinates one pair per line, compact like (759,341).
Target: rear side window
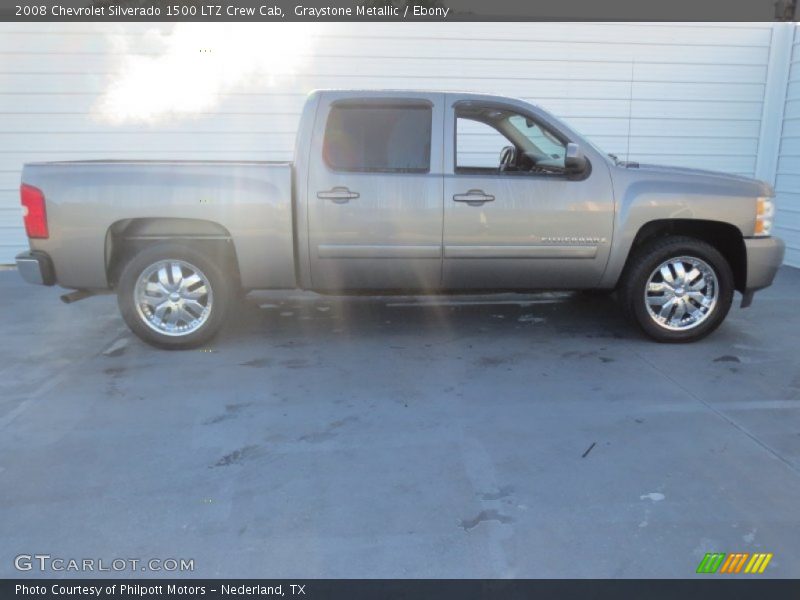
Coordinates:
(386,138)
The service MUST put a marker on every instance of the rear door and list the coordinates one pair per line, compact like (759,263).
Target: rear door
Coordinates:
(375,192)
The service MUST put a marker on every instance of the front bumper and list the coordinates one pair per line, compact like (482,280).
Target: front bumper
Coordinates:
(36,267)
(764,257)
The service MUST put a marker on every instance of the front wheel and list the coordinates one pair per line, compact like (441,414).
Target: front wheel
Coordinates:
(677,289)
(173,297)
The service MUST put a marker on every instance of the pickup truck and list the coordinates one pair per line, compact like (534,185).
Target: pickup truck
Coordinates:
(401,191)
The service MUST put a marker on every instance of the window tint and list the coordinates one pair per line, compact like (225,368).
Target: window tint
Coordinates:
(378,138)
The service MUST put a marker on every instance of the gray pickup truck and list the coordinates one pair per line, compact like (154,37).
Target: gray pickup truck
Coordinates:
(395,191)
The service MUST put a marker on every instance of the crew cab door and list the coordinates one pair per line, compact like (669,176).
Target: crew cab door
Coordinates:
(375,192)
(519,226)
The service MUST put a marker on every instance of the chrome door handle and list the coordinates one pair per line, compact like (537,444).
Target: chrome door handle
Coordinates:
(474,197)
(338,195)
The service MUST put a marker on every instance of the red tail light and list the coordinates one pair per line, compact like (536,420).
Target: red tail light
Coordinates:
(34,212)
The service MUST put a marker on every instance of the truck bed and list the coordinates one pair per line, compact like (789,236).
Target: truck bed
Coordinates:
(88,201)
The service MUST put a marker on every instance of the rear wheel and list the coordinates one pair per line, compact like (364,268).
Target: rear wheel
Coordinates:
(172,296)
(677,289)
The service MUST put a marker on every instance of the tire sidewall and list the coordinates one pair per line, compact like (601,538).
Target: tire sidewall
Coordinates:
(176,251)
(649,261)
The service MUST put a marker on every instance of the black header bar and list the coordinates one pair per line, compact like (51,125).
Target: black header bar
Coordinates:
(396,10)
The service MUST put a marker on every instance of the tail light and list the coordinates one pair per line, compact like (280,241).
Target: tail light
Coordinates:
(33,211)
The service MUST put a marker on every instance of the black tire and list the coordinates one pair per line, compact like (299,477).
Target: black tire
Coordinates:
(215,280)
(647,259)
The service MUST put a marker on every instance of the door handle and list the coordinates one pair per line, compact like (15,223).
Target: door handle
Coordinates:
(474,197)
(339,195)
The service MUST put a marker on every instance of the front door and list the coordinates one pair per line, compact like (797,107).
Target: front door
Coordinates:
(375,192)
(513,218)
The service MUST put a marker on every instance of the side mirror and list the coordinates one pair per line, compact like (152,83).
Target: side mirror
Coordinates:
(574,160)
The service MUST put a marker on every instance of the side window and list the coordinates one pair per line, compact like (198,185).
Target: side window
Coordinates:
(484,134)
(384,138)
(541,138)
(478,145)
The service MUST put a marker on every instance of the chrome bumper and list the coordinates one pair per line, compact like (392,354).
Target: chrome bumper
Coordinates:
(36,267)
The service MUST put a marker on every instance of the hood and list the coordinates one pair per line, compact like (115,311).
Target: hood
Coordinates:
(750,186)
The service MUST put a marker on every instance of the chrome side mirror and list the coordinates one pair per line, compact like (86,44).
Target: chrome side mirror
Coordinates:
(574,160)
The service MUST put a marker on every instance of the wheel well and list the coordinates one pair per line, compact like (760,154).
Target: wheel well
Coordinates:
(126,238)
(723,236)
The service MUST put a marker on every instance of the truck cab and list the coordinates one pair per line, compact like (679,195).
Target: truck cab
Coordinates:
(401,193)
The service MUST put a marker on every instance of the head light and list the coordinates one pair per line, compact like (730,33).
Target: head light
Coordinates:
(765,211)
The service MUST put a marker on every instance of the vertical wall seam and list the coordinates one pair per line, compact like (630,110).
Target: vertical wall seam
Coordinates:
(775,90)
(788,199)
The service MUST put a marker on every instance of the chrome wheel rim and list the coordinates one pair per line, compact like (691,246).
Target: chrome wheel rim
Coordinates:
(173,297)
(681,293)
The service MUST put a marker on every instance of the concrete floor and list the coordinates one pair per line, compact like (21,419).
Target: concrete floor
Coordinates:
(535,436)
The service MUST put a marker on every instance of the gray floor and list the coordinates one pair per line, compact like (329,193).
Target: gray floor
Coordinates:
(536,436)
